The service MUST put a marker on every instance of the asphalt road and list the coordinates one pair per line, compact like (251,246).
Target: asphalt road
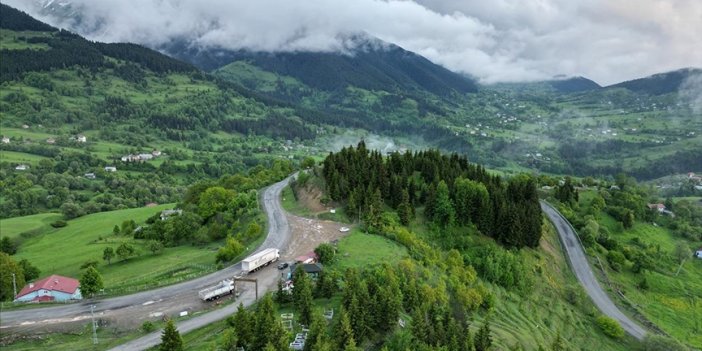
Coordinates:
(278,237)
(582,270)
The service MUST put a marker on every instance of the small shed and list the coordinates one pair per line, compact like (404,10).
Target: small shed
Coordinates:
(312,269)
(698,253)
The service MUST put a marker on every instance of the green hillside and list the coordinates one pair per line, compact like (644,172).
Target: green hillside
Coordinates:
(126,100)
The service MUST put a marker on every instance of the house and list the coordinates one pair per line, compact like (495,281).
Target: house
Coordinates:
(51,141)
(145,157)
(5,140)
(657,207)
(615,187)
(310,257)
(89,175)
(24,126)
(312,269)
(110,169)
(165,214)
(22,167)
(81,138)
(156,153)
(698,253)
(51,288)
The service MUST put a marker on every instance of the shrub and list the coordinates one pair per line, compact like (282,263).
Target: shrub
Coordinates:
(616,260)
(325,252)
(59,224)
(610,327)
(148,327)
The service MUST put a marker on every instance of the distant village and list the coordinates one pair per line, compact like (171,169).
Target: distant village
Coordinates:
(82,139)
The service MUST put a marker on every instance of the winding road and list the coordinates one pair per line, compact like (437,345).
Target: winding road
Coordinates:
(581,268)
(278,237)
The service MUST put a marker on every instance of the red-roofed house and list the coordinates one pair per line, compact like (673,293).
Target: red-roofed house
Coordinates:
(657,207)
(51,288)
(310,257)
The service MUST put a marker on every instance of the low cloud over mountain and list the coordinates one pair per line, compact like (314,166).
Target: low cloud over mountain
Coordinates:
(501,40)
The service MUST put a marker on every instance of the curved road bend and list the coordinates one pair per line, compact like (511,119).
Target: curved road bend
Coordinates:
(582,270)
(278,237)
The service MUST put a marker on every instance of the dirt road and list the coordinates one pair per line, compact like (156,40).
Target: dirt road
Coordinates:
(583,272)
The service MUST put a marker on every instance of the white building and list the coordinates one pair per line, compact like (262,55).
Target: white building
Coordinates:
(81,138)
(110,169)
(22,167)
(698,253)
(145,157)
(5,140)
(89,175)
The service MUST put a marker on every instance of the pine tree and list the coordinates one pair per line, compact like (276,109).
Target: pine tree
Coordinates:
(483,339)
(302,295)
(444,214)
(317,338)
(171,339)
(243,322)
(267,328)
(343,334)
(405,209)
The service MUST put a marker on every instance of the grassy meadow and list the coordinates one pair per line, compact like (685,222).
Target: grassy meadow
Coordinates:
(63,250)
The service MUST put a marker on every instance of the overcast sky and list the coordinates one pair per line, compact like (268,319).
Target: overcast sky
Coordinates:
(497,40)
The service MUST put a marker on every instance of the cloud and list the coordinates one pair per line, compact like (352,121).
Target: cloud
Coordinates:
(500,40)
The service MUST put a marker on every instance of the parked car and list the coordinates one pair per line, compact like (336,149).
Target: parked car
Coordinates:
(283,265)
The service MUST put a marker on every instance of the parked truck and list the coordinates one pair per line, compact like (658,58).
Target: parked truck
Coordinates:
(259,260)
(223,288)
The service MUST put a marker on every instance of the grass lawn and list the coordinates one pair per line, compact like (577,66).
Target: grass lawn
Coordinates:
(20,157)
(361,250)
(293,206)
(38,223)
(63,251)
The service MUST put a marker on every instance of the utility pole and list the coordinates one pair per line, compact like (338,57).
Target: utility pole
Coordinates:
(14,286)
(92,315)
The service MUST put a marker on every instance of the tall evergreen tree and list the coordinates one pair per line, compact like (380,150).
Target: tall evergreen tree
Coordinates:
(243,323)
(171,339)
(317,339)
(343,333)
(405,209)
(302,295)
(267,327)
(483,339)
(444,214)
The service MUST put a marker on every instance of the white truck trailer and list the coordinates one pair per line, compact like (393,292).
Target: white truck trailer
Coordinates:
(258,260)
(225,287)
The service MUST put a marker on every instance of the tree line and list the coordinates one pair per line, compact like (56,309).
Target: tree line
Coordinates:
(452,191)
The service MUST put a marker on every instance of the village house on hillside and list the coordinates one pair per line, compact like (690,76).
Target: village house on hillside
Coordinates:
(51,141)
(80,138)
(51,288)
(110,169)
(165,214)
(5,140)
(22,167)
(657,207)
(698,253)
(141,157)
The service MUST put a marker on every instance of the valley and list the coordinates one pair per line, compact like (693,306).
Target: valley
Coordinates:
(413,197)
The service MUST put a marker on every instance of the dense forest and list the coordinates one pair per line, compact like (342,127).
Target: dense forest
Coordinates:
(453,192)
